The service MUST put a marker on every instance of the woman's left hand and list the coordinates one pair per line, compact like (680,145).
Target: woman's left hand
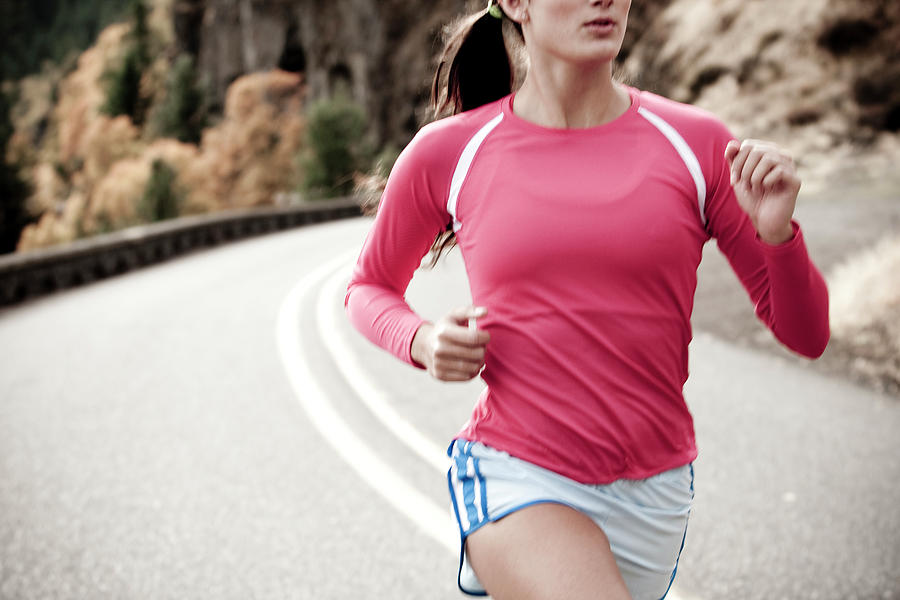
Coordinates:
(766,184)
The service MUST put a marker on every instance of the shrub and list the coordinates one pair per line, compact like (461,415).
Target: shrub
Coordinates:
(123,84)
(13,190)
(370,186)
(123,90)
(160,200)
(385,160)
(335,147)
(182,114)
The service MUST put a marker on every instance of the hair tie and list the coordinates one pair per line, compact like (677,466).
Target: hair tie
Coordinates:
(494,9)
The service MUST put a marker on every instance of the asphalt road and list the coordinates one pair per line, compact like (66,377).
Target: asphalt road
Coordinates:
(213,428)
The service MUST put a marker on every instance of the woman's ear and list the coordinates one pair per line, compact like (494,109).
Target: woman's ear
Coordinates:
(516,10)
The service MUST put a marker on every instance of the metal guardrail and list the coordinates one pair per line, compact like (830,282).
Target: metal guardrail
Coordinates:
(38,272)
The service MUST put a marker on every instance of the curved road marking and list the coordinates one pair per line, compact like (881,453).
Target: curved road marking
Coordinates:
(355,374)
(424,513)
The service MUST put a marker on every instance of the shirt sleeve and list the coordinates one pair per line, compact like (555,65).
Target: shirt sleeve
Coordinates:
(787,290)
(411,213)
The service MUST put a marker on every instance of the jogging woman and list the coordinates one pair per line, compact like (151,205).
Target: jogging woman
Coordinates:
(581,207)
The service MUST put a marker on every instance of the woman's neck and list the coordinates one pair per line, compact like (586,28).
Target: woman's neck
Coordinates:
(569,98)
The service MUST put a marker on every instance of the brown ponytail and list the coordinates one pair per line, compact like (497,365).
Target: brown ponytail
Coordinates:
(474,69)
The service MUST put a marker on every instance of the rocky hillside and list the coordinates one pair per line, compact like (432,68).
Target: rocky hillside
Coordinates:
(821,76)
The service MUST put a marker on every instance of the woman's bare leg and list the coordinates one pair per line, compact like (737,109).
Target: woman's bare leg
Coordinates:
(545,552)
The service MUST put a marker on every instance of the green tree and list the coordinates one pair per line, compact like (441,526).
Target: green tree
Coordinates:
(123,84)
(13,190)
(139,36)
(182,114)
(123,91)
(39,30)
(161,199)
(335,147)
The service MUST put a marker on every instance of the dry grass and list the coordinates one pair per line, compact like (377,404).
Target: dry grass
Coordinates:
(251,155)
(865,312)
(114,201)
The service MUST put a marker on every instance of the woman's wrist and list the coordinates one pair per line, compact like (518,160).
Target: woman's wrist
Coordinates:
(418,350)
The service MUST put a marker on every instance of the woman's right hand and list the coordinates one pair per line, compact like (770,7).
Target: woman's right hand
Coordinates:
(448,349)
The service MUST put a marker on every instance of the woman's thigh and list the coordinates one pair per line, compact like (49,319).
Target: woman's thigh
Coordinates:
(545,551)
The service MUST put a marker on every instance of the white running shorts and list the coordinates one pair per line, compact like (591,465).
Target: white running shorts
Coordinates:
(645,520)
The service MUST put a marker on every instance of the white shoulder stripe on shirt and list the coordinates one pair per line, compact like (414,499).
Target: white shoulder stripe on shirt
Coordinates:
(465,162)
(686,154)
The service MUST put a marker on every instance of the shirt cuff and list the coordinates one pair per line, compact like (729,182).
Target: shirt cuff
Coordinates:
(790,243)
(788,261)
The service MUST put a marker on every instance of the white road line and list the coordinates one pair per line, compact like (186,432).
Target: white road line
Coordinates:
(431,519)
(355,374)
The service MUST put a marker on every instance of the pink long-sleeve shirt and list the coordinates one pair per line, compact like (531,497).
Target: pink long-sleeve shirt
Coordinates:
(584,246)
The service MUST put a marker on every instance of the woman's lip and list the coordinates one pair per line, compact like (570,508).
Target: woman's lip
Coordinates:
(600,25)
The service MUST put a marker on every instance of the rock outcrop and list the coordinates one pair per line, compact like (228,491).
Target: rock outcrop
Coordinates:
(381,50)
(823,69)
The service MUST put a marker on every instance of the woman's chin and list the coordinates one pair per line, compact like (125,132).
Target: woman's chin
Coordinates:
(595,58)
(595,51)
